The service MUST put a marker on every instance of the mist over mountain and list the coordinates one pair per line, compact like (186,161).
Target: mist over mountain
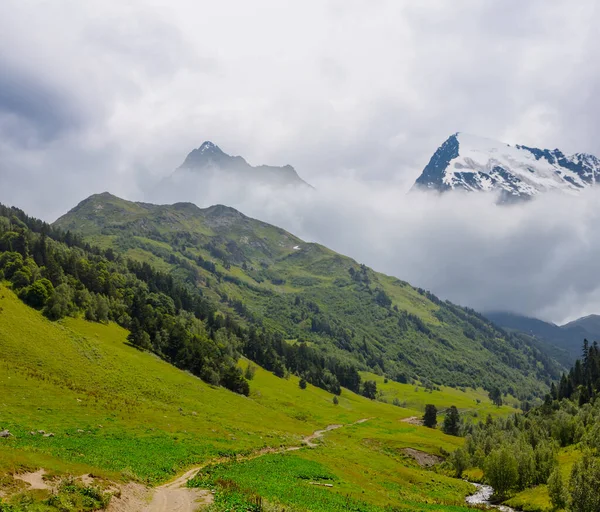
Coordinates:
(208,171)
(472,163)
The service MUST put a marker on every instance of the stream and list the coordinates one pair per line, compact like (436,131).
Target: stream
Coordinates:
(482,497)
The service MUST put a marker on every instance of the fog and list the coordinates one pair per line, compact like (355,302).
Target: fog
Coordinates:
(537,258)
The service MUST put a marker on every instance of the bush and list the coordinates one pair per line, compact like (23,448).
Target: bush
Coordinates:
(38,293)
(369,389)
(60,304)
(20,279)
(250,371)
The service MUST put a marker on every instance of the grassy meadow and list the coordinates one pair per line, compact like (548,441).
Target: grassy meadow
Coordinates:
(123,414)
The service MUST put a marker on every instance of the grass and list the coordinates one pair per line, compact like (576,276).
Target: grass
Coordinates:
(474,402)
(123,414)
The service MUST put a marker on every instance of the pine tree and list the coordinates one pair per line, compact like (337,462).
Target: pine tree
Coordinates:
(451,424)
(430,416)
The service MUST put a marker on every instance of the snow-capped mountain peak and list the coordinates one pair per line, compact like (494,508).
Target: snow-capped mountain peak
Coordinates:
(472,163)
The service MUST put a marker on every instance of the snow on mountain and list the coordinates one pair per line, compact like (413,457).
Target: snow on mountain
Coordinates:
(468,162)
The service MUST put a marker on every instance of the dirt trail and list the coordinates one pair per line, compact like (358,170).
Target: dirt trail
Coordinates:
(175,496)
(317,434)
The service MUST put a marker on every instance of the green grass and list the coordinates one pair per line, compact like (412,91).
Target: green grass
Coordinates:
(120,414)
(468,401)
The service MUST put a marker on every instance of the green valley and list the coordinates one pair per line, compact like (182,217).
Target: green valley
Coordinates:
(168,357)
(124,415)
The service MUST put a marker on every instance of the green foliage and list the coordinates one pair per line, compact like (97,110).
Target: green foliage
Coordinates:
(584,484)
(460,462)
(496,396)
(250,371)
(451,424)
(38,293)
(556,490)
(70,496)
(60,303)
(302,383)
(430,416)
(502,471)
(369,389)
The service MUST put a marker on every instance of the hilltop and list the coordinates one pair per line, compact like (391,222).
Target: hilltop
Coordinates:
(310,296)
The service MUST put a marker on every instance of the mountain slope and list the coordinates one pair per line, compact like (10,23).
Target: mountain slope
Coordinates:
(272,280)
(471,163)
(119,414)
(567,338)
(589,324)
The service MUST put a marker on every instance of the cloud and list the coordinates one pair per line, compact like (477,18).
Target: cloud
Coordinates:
(536,258)
(355,95)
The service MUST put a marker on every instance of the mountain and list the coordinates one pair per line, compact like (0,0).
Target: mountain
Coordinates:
(471,163)
(208,162)
(589,324)
(304,293)
(566,338)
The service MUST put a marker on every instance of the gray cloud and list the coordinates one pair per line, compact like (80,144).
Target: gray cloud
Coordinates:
(536,258)
(356,95)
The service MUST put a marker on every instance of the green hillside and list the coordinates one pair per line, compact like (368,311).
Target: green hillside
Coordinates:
(122,414)
(300,291)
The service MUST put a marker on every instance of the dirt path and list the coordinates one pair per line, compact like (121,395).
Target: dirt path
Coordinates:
(317,434)
(179,499)
(174,496)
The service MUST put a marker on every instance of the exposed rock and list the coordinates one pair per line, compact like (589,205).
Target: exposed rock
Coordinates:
(423,459)
(5,433)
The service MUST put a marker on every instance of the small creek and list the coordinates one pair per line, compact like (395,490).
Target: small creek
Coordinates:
(482,497)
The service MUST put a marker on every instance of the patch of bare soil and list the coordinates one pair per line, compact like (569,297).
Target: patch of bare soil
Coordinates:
(131,497)
(423,459)
(35,480)
(413,420)
(179,499)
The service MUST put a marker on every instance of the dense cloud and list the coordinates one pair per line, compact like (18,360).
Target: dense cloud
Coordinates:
(537,258)
(356,95)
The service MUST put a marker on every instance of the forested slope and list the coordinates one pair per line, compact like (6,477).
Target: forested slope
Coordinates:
(304,296)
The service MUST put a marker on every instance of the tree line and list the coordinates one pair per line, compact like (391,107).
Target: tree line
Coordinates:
(521,451)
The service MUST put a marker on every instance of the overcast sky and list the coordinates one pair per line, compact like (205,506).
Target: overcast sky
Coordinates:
(355,94)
